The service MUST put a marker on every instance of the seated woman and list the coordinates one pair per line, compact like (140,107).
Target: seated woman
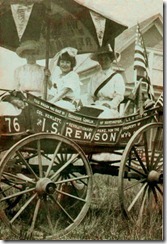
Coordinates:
(66,83)
(107,88)
(31,77)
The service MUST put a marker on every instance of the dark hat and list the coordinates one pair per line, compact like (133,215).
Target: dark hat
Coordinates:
(105,50)
(27,45)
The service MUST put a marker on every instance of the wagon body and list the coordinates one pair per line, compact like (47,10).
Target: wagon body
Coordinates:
(47,167)
(90,133)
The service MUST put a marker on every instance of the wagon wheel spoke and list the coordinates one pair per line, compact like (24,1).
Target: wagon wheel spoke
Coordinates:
(135,184)
(30,231)
(10,177)
(137,197)
(73,179)
(160,167)
(140,160)
(80,178)
(72,196)
(48,216)
(140,175)
(159,190)
(23,208)
(26,164)
(154,194)
(139,220)
(156,138)
(39,159)
(71,161)
(146,150)
(17,194)
(52,162)
(48,165)
(64,211)
(135,170)
(157,161)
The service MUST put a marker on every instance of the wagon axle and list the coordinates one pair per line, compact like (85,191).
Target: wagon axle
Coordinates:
(45,185)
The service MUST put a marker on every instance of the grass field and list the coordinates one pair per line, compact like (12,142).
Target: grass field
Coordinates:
(104,220)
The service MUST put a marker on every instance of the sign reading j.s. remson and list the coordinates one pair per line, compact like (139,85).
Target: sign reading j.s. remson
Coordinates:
(46,117)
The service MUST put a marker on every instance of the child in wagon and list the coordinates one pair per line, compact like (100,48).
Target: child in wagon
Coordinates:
(66,83)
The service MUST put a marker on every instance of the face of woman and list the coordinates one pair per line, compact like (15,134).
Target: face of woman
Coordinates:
(105,61)
(65,66)
(30,56)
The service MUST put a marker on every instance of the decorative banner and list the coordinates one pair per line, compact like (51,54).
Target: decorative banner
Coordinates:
(21,14)
(99,22)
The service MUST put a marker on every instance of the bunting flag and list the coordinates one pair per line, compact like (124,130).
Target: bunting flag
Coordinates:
(141,64)
(99,23)
(21,14)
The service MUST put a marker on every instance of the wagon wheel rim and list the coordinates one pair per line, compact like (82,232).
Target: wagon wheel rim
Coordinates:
(46,186)
(141,173)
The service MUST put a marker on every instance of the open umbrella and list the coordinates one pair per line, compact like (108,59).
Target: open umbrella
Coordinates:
(55,24)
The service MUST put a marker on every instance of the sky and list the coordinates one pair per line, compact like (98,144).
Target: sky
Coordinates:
(126,11)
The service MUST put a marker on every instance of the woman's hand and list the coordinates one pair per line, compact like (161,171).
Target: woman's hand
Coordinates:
(18,103)
(47,72)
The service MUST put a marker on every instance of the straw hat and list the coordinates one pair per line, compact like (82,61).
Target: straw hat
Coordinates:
(27,45)
(106,50)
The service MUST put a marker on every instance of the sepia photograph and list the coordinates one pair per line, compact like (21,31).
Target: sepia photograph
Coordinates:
(81,120)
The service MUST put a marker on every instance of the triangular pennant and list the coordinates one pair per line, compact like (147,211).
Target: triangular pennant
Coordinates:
(21,14)
(99,23)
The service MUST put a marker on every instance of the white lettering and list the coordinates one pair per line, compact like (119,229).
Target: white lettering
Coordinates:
(78,134)
(113,137)
(88,121)
(16,124)
(87,136)
(54,127)
(68,132)
(74,117)
(104,136)
(9,123)
(39,112)
(97,137)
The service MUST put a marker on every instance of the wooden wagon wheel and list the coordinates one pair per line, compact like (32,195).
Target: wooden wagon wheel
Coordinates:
(46,185)
(141,173)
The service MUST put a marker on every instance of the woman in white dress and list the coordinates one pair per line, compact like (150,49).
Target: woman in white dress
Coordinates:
(31,76)
(65,81)
(111,93)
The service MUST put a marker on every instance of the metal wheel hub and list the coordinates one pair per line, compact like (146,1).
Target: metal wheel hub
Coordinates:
(45,185)
(154,176)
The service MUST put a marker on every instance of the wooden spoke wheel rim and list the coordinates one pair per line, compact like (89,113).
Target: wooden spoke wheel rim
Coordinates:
(46,186)
(141,173)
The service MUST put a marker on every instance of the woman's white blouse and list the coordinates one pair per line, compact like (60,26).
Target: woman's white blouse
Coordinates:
(70,80)
(30,78)
(112,92)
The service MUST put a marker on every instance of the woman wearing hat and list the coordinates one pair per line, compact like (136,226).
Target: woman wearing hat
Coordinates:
(106,89)
(31,76)
(66,82)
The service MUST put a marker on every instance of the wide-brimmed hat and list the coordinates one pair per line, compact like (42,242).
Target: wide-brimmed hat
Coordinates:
(115,56)
(27,45)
